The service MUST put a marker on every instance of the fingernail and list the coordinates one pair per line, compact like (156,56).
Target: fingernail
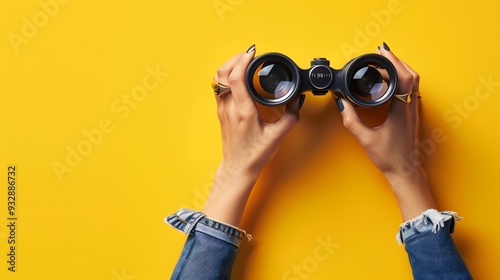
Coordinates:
(386,47)
(302,98)
(251,49)
(378,48)
(340,105)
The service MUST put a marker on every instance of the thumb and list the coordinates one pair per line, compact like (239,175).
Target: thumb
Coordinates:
(291,116)
(351,120)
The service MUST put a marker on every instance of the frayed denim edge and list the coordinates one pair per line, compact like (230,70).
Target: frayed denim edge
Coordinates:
(432,216)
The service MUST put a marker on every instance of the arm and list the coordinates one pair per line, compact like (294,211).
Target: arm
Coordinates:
(393,148)
(248,143)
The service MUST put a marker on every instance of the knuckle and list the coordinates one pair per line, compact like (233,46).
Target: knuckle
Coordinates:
(235,78)
(247,106)
(349,123)
(407,78)
(290,120)
(223,72)
(295,118)
(220,114)
(243,115)
(416,78)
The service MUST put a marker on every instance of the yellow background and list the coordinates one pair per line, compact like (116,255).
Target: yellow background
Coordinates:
(103,218)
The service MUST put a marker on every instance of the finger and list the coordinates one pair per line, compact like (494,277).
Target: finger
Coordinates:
(415,96)
(224,105)
(291,116)
(296,104)
(398,111)
(237,81)
(416,76)
(383,72)
(352,122)
(405,78)
(225,101)
(416,118)
(225,70)
(398,108)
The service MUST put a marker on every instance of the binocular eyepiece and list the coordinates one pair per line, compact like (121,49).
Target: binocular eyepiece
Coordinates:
(367,81)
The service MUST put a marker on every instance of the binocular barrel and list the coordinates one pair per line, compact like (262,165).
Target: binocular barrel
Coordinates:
(367,81)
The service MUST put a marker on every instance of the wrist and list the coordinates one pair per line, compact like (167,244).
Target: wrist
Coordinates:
(417,176)
(237,176)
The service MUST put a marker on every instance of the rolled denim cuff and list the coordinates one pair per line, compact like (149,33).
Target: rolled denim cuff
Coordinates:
(187,221)
(430,220)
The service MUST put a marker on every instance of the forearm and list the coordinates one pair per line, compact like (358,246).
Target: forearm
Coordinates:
(425,231)
(214,236)
(412,193)
(229,194)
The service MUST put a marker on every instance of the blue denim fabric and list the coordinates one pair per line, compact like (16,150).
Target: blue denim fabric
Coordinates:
(210,254)
(205,257)
(430,247)
(210,249)
(188,221)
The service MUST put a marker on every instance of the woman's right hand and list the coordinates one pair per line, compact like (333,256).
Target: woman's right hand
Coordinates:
(248,142)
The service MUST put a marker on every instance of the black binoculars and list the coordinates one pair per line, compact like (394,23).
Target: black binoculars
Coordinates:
(367,81)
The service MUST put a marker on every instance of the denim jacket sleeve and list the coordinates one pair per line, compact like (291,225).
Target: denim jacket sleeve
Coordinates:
(430,247)
(210,249)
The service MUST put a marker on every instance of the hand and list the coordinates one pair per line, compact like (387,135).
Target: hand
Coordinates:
(393,146)
(248,143)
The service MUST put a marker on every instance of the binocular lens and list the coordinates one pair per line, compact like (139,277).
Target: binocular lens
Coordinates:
(369,80)
(368,84)
(273,80)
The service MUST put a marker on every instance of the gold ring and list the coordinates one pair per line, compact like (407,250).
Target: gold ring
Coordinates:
(220,89)
(406,97)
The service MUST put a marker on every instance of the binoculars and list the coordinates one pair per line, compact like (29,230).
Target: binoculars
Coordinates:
(369,80)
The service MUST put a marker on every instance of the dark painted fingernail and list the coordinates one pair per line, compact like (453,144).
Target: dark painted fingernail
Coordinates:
(340,105)
(378,48)
(386,47)
(302,98)
(251,49)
